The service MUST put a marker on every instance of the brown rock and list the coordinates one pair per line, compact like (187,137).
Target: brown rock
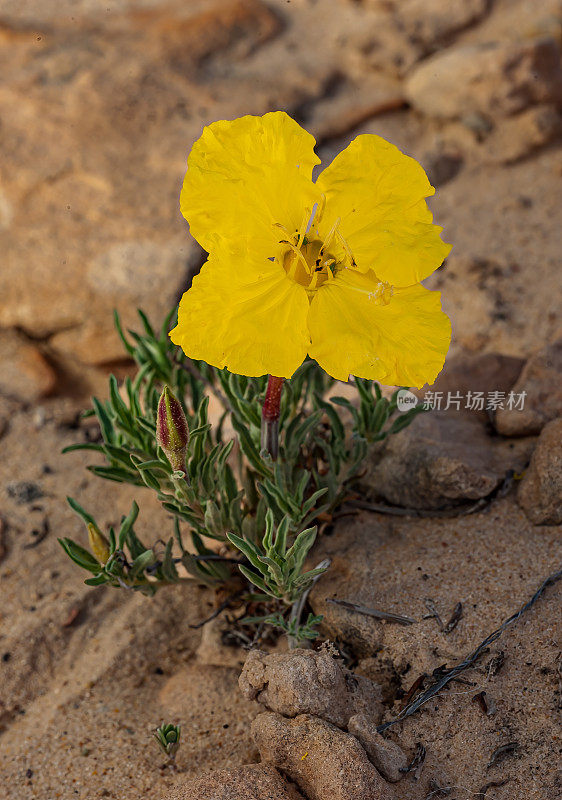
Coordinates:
(24,373)
(521,135)
(442,165)
(251,782)
(324,761)
(89,209)
(540,491)
(431,23)
(2,545)
(353,103)
(541,380)
(388,757)
(202,29)
(311,682)
(480,372)
(441,459)
(495,78)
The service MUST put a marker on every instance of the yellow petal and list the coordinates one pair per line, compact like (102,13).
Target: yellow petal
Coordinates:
(402,343)
(378,193)
(245,175)
(250,318)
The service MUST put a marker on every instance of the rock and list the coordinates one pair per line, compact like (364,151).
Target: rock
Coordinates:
(128,275)
(497,285)
(494,78)
(381,46)
(89,210)
(540,491)
(251,782)
(388,757)
(541,380)
(324,761)
(24,372)
(352,103)
(431,23)
(519,136)
(394,34)
(441,459)
(518,19)
(308,681)
(479,374)
(2,542)
(442,165)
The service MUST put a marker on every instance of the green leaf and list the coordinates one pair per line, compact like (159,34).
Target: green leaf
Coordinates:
(105,421)
(256,580)
(248,549)
(248,447)
(169,570)
(280,545)
(141,562)
(75,506)
(128,347)
(80,555)
(299,551)
(83,446)
(99,580)
(127,524)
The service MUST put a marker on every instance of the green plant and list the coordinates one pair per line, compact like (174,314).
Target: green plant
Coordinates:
(259,505)
(168,738)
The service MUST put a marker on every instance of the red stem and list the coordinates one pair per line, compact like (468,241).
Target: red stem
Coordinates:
(270,416)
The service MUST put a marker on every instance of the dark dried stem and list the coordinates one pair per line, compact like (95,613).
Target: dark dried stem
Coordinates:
(450,674)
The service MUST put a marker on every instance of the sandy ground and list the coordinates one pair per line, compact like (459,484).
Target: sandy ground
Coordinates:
(88,674)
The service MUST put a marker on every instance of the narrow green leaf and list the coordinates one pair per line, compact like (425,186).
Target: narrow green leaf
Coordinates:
(126,524)
(80,555)
(75,506)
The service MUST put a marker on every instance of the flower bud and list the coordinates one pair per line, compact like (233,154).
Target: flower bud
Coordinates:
(98,544)
(172,433)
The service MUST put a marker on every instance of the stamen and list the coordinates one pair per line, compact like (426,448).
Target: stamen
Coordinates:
(298,253)
(321,207)
(304,227)
(381,295)
(314,280)
(283,228)
(330,235)
(347,248)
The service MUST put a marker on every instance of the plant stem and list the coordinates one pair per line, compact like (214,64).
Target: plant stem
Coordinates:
(270,416)
(298,606)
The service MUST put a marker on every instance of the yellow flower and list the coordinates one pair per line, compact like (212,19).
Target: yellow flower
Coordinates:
(331,268)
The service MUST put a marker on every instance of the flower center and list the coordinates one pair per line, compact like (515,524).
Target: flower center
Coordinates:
(310,265)
(308,260)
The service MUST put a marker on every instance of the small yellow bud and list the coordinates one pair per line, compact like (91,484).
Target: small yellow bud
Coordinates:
(98,544)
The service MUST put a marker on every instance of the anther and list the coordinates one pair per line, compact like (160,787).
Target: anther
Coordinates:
(330,235)
(346,248)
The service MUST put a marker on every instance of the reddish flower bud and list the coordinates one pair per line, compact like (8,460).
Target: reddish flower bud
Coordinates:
(172,433)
